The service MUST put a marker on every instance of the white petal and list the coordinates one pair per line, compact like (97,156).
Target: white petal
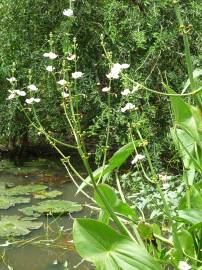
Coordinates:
(12,79)
(125,66)
(62,82)
(106,89)
(68,12)
(32,87)
(50,68)
(77,74)
(125,92)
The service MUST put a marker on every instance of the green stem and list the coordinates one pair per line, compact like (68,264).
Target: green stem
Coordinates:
(187,52)
(166,207)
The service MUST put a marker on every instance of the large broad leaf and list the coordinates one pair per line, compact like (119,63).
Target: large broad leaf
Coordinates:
(109,250)
(116,204)
(16,226)
(115,161)
(192,216)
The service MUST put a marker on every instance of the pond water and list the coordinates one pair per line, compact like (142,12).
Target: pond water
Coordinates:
(50,247)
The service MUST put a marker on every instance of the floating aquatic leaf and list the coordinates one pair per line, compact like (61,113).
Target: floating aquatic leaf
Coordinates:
(16,226)
(23,190)
(8,201)
(47,194)
(52,207)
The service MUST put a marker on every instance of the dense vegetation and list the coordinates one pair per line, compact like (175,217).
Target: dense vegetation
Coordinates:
(111,79)
(145,34)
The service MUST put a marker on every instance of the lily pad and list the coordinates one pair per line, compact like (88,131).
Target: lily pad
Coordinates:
(23,190)
(52,207)
(16,226)
(8,201)
(47,194)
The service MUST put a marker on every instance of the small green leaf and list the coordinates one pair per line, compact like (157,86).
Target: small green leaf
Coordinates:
(122,154)
(115,161)
(187,243)
(109,250)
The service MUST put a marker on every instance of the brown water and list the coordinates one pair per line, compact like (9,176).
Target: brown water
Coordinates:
(30,254)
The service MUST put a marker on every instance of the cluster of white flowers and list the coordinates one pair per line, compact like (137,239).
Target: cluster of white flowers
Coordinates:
(50,55)
(128,107)
(184,266)
(106,89)
(68,12)
(137,158)
(32,100)
(77,74)
(15,93)
(116,70)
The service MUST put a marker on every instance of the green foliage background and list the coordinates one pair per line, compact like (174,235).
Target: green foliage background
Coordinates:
(142,33)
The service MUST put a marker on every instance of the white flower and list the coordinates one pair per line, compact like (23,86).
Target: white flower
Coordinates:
(32,87)
(62,82)
(9,267)
(11,96)
(125,66)
(50,68)
(65,95)
(50,55)
(128,107)
(37,100)
(184,265)
(125,92)
(137,158)
(71,57)
(20,93)
(15,93)
(12,79)
(77,74)
(106,89)
(32,100)
(116,70)
(68,12)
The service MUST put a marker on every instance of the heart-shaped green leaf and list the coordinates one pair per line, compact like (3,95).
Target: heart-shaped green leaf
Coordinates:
(108,250)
